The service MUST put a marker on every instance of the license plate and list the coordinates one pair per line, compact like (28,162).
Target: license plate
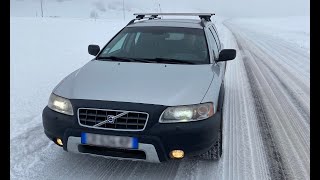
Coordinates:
(109,141)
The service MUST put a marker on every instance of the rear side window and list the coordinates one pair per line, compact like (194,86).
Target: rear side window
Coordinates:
(136,38)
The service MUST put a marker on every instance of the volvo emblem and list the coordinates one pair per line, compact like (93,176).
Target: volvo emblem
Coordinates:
(111,119)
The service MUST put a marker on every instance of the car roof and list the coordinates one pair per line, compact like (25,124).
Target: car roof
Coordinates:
(186,23)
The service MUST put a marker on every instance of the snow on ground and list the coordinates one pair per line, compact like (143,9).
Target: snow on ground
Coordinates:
(294,29)
(279,75)
(266,112)
(42,52)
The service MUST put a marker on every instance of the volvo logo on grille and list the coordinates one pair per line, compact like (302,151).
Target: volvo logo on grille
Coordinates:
(111,119)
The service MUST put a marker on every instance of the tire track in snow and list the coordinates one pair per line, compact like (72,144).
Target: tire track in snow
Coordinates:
(243,151)
(286,112)
(27,145)
(277,169)
(293,133)
(297,112)
(293,96)
(300,87)
(280,56)
(287,59)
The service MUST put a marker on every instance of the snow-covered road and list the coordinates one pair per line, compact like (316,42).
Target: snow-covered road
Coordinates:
(279,76)
(266,130)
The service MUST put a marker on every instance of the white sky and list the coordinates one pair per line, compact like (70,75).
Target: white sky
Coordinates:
(239,8)
(228,8)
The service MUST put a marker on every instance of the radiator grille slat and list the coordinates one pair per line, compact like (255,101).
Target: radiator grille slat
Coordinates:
(132,121)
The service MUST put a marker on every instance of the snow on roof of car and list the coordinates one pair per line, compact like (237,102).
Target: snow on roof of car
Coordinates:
(188,23)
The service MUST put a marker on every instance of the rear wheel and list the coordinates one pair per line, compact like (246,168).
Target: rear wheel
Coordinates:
(215,152)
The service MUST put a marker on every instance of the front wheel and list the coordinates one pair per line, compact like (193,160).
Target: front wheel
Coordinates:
(215,152)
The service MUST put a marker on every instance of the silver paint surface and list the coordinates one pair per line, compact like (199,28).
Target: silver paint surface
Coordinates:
(149,83)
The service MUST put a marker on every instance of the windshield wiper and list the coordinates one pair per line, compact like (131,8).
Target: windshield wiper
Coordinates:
(124,59)
(158,60)
(171,61)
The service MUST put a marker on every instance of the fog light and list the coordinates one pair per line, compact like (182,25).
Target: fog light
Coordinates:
(177,154)
(59,141)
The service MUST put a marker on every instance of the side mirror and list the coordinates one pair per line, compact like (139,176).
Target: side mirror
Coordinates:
(227,54)
(93,49)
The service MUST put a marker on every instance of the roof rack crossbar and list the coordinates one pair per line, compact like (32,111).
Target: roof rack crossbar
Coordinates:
(176,14)
(206,16)
(203,16)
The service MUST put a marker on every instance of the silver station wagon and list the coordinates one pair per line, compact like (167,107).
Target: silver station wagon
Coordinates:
(154,92)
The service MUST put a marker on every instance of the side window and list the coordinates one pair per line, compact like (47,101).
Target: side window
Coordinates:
(118,45)
(213,45)
(215,35)
(136,38)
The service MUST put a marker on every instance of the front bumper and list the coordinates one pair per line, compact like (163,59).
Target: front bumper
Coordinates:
(157,140)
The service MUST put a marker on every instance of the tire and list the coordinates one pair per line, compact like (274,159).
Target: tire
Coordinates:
(215,152)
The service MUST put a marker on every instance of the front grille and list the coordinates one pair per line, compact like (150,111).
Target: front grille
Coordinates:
(102,119)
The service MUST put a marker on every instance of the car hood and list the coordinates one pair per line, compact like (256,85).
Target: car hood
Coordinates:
(149,83)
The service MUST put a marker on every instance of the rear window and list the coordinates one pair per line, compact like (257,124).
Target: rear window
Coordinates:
(188,44)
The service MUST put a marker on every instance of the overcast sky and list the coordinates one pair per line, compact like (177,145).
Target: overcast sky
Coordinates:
(227,8)
(244,7)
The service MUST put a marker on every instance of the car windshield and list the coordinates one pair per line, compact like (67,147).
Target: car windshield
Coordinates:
(158,44)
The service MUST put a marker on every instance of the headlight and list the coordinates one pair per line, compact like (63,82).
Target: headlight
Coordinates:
(60,104)
(187,113)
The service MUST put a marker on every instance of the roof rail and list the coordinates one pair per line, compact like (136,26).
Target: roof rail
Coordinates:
(203,16)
